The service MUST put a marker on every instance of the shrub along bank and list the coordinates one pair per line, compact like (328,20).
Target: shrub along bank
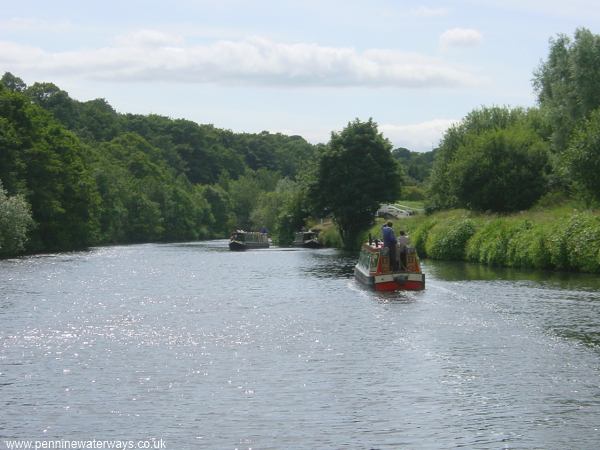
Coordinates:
(561,238)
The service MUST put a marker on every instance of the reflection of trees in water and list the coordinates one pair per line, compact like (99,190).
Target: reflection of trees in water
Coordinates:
(565,304)
(331,264)
(587,338)
(461,271)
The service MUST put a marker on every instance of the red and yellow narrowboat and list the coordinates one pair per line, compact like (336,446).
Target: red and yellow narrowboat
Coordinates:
(373,269)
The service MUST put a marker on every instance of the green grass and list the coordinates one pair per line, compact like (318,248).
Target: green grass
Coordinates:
(558,238)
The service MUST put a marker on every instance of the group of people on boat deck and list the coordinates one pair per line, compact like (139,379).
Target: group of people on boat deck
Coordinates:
(397,246)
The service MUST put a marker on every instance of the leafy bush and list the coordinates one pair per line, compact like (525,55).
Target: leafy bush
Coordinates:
(418,236)
(509,242)
(477,122)
(557,246)
(499,170)
(582,242)
(527,246)
(15,222)
(447,240)
(489,243)
(330,237)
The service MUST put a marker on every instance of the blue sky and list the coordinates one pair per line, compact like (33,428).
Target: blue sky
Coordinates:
(297,67)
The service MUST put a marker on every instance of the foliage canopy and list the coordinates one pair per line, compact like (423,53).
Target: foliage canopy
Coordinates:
(499,170)
(93,176)
(356,173)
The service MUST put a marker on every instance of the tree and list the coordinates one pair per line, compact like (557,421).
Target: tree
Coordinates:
(582,158)
(275,208)
(293,211)
(356,174)
(478,121)
(568,83)
(97,120)
(220,206)
(245,193)
(187,212)
(46,163)
(62,192)
(499,170)
(55,100)
(13,83)
(417,165)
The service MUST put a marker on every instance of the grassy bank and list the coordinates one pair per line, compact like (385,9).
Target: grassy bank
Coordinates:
(557,238)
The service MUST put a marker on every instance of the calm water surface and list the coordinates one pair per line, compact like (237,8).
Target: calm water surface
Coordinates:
(281,349)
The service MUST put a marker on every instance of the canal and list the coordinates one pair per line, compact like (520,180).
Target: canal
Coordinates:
(201,347)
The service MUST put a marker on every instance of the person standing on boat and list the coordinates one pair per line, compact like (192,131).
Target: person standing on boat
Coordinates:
(389,241)
(402,246)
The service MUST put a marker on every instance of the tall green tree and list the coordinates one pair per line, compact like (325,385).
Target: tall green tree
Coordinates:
(568,83)
(47,163)
(356,174)
(581,161)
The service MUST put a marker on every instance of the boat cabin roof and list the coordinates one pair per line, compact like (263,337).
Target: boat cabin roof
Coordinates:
(249,236)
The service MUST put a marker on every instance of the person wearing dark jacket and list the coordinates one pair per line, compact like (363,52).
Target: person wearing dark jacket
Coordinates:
(389,241)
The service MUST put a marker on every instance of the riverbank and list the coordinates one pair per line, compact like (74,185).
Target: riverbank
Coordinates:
(555,238)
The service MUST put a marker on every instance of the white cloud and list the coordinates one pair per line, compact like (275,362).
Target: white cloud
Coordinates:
(424,136)
(460,37)
(155,56)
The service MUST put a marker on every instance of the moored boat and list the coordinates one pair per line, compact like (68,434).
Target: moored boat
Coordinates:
(373,269)
(308,239)
(243,240)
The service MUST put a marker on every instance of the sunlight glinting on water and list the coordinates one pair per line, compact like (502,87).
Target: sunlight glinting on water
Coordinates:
(282,348)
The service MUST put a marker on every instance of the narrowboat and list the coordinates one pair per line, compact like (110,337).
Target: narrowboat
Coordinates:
(308,239)
(243,240)
(373,269)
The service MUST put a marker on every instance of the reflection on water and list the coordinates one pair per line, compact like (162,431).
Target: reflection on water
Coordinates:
(281,348)
(568,304)
(327,263)
(590,338)
(456,271)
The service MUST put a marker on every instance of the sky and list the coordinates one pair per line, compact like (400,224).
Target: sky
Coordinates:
(303,67)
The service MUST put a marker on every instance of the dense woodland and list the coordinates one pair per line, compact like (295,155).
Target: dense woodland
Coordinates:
(76,174)
(88,175)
